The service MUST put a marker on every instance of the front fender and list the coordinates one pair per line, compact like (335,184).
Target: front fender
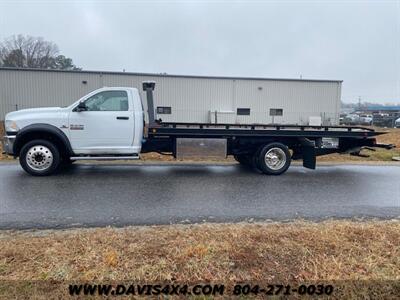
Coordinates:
(45,131)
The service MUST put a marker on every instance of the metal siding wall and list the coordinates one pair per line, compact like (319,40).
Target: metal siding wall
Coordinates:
(191,99)
(27,89)
(298,99)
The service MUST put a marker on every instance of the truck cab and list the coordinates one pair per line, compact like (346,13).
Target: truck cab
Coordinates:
(107,121)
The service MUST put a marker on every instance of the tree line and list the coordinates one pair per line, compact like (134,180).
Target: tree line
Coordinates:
(20,51)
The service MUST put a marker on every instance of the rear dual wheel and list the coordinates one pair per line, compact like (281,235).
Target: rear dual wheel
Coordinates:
(273,159)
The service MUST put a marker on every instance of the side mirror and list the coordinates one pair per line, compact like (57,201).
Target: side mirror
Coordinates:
(81,107)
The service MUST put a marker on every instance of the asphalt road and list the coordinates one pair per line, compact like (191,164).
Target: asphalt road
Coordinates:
(100,195)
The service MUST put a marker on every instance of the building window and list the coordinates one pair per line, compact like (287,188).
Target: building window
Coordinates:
(243,112)
(276,112)
(166,110)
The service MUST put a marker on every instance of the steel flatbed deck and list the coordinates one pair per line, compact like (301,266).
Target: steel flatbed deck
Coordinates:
(266,147)
(258,130)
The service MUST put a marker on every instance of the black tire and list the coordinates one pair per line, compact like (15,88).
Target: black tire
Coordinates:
(30,161)
(243,159)
(254,160)
(274,159)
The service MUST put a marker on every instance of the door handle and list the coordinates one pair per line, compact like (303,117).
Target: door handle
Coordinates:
(122,118)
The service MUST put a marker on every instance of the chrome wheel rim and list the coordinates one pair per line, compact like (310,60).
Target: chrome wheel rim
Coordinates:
(275,158)
(39,158)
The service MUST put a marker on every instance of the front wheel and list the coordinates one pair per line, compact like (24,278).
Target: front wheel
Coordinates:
(39,158)
(274,159)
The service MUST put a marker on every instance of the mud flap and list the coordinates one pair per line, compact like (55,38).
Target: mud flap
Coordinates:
(309,157)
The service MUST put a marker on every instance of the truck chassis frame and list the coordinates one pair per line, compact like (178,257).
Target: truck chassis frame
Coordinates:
(306,142)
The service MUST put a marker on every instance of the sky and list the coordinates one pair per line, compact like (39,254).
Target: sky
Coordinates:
(354,41)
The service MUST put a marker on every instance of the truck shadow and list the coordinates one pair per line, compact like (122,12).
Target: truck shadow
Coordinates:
(160,169)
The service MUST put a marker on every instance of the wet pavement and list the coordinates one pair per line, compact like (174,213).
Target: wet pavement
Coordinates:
(118,195)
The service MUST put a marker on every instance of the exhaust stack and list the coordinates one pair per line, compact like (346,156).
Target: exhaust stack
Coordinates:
(148,87)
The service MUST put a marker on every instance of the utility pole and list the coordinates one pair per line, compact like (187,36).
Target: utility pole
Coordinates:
(359,102)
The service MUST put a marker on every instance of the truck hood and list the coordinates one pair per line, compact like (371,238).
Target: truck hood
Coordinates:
(55,116)
(16,115)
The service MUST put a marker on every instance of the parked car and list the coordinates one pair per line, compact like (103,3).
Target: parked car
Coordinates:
(397,123)
(384,120)
(366,119)
(351,119)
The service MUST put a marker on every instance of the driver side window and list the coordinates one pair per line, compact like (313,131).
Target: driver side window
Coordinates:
(108,101)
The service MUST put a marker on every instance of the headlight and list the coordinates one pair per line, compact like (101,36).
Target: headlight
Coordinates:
(11,126)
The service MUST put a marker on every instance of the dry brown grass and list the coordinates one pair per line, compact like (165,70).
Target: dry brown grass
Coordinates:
(218,253)
(391,137)
(379,155)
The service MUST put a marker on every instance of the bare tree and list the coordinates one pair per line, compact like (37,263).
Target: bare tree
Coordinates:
(21,51)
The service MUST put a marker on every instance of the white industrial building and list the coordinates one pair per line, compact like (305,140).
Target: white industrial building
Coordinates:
(183,98)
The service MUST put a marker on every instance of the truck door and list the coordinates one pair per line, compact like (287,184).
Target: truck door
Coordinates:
(105,125)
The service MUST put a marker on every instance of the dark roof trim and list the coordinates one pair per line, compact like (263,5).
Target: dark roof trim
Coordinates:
(164,75)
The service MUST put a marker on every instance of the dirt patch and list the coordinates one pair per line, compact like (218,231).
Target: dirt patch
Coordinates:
(224,253)
(2,156)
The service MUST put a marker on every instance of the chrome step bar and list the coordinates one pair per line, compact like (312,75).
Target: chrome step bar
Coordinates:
(104,157)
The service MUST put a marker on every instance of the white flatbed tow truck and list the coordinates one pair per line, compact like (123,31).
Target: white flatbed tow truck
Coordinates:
(109,124)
